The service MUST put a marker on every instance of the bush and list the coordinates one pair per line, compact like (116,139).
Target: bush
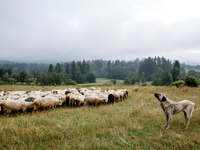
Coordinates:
(144,84)
(191,81)
(178,83)
(114,81)
(127,81)
(70,82)
(156,82)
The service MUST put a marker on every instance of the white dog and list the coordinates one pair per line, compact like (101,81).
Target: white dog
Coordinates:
(171,108)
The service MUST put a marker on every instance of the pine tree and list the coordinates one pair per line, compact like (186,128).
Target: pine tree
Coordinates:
(73,70)
(50,68)
(58,68)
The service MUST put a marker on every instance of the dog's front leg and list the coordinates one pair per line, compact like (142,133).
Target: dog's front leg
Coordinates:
(167,117)
(169,121)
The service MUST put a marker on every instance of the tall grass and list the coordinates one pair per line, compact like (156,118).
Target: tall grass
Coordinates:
(135,123)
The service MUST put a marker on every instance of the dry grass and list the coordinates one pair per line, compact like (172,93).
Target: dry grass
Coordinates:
(135,123)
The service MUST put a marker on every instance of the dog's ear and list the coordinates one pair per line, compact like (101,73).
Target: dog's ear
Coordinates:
(163,99)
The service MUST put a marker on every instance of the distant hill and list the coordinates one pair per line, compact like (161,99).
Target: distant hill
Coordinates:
(191,67)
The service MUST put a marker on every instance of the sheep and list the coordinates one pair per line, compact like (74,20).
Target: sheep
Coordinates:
(111,98)
(119,95)
(105,96)
(65,100)
(99,101)
(45,103)
(66,97)
(30,99)
(72,100)
(67,92)
(92,88)
(95,101)
(15,105)
(80,100)
(124,91)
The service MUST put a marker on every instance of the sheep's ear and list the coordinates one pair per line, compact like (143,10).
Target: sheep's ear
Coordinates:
(163,99)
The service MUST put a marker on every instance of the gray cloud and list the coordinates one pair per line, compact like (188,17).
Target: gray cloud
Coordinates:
(66,30)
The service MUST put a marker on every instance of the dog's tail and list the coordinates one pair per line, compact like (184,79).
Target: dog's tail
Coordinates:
(195,106)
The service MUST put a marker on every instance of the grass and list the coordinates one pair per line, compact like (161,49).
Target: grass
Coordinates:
(101,82)
(135,123)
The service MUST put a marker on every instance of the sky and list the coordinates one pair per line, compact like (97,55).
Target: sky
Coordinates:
(67,30)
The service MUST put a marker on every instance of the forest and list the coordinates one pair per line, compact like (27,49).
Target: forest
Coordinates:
(159,70)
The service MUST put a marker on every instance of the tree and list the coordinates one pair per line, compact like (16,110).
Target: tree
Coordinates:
(192,73)
(157,74)
(191,81)
(166,78)
(127,81)
(90,77)
(9,71)
(143,79)
(43,79)
(148,67)
(22,76)
(175,74)
(135,79)
(176,71)
(114,81)
(182,73)
(50,68)
(176,64)
(58,68)
(67,69)
(156,82)
(52,78)
(6,78)
(159,62)
(73,70)
(28,79)
(108,70)
(1,72)
(15,77)
(58,79)
(35,73)
(78,75)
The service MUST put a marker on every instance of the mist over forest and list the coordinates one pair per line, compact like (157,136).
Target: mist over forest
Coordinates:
(138,70)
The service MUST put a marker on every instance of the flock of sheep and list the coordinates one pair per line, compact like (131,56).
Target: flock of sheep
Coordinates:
(24,101)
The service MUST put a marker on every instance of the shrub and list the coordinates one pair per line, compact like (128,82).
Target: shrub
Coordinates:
(156,82)
(191,81)
(113,81)
(178,83)
(70,82)
(127,80)
(144,84)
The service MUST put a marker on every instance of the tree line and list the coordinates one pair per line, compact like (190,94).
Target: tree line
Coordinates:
(163,72)
(159,70)
(69,73)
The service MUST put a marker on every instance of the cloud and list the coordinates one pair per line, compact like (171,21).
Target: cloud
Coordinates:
(109,29)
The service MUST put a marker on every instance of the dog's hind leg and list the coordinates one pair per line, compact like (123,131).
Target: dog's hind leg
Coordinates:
(188,116)
(186,119)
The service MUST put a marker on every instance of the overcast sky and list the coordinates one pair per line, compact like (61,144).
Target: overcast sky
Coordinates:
(66,30)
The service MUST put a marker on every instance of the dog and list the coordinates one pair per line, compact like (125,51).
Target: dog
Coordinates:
(171,108)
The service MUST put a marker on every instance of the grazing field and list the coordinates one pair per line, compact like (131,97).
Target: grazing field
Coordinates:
(135,123)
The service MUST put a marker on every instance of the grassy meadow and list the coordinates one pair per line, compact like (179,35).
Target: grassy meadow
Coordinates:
(135,123)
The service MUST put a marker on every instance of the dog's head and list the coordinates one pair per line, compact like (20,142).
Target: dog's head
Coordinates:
(161,97)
